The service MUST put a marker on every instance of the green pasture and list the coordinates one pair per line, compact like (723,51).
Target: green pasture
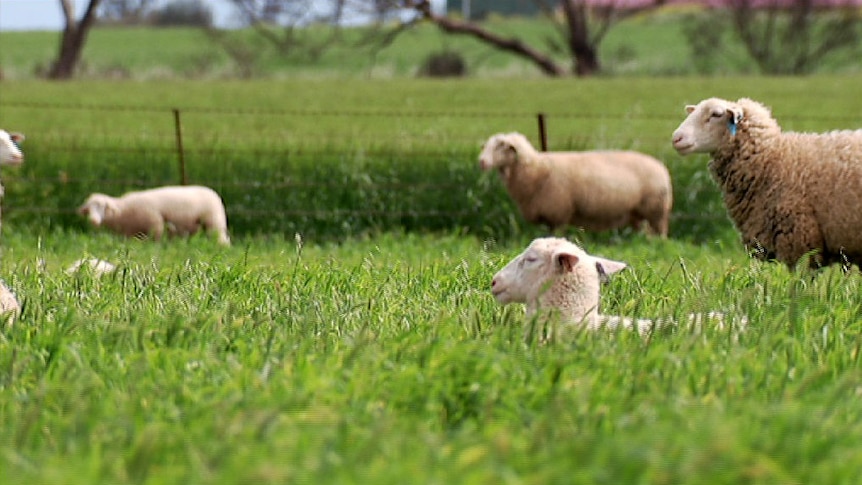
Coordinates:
(348,335)
(330,158)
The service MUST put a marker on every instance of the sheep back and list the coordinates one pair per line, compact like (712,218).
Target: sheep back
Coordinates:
(184,210)
(595,190)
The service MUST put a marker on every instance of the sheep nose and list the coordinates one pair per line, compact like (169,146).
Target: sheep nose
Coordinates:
(493,282)
(677,137)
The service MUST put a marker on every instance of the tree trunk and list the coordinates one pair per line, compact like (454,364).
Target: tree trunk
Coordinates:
(586,60)
(72,40)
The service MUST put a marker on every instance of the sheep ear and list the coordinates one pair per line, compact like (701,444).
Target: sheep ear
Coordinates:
(607,267)
(17,137)
(565,261)
(690,108)
(735,114)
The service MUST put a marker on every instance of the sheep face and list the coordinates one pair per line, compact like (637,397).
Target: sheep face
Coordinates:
(97,206)
(707,126)
(498,152)
(10,154)
(545,261)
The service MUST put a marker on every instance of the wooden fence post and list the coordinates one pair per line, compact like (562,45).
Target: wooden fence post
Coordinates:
(184,179)
(543,135)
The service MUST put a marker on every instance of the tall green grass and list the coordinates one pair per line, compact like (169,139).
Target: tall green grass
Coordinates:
(386,360)
(345,350)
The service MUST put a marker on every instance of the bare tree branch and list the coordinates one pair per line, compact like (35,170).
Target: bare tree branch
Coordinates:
(516,46)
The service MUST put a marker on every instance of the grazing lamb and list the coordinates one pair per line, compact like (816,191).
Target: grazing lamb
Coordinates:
(181,210)
(595,190)
(555,276)
(789,194)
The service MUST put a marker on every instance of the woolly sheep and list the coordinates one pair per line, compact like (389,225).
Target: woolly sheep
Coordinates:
(595,190)
(787,193)
(10,154)
(555,277)
(181,210)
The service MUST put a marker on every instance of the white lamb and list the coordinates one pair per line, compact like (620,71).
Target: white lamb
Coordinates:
(97,267)
(10,154)
(181,210)
(556,278)
(594,190)
(9,306)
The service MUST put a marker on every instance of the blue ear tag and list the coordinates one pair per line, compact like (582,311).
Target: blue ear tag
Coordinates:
(731,126)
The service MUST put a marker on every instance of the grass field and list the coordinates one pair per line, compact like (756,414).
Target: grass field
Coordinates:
(368,349)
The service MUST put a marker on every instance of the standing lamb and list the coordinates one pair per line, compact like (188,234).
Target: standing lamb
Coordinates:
(182,210)
(595,190)
(10,154)
(789,194)
(555,277)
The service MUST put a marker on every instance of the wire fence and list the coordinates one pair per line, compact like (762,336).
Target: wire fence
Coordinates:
(144,146)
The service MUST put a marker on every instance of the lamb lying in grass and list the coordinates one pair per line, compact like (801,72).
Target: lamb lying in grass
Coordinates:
(9,306)
(556,278)
(97,267)
(180,210)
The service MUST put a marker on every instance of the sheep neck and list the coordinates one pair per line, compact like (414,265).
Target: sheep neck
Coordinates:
(574,297)
(524,177)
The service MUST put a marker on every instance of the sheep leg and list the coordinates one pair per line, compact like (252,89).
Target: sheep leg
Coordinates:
(658,227)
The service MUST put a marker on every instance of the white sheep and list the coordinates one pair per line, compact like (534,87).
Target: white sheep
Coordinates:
(9,306)
(179,210)
(97,267)
(789,194)
(554,275)
(556,278)
(10,154)
(594,190)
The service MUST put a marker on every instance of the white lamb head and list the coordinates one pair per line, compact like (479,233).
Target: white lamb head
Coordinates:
(10,154)
(97,206)
(501,150)
(707,125)
(554,273)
